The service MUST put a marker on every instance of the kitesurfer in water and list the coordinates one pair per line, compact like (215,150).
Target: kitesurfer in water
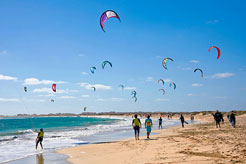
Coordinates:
(39,138)
(148,125)
(136,125)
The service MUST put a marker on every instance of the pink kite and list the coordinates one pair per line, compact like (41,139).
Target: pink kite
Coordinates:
(106,15)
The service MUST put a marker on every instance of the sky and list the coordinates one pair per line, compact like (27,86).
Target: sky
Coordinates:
(46,42)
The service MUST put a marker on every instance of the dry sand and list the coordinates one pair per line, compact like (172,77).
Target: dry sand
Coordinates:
(194,144)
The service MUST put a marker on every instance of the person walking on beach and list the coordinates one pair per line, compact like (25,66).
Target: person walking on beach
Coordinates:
(136,125)
(160,123)
(39,138)
(233,119)
(148,125)
(218,118)
(182,120)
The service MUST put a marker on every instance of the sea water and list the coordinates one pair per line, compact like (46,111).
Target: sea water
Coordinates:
(17,135)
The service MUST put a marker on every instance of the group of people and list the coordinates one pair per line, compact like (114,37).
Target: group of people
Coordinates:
(136,124)
(218,117)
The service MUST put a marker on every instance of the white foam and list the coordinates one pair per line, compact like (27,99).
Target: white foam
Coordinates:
(24,145)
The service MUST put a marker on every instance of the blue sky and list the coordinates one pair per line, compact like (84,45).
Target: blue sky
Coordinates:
(42,42)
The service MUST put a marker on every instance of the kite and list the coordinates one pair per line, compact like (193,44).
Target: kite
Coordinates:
(162,91)
(164,62)
(135,98)
(52,100)
(161,81)
(122,87)
(173,84)
(199,70)
(106,62)
(217,50)
(134,93)
(84,108)
(94,88)
(25,89)
(54,87)
(106,15)
(92,69)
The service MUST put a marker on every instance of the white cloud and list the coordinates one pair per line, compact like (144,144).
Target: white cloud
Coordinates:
(117,99)
(97,86)
(81,55)
(190,94)
(84,73)
(67,97)
(48,95)
(100,99)
(3,77)
(33,100)
(186,69)
(110,99)
(34,81)
(158,57)
(167,80)
(212,21)
(130,88)
(162,100)
(3,52)
(9,100)
(49,90)
(222,75)
(220,97)
(242,69)
(196,85)
(195,61)
(149,79)
(85,96)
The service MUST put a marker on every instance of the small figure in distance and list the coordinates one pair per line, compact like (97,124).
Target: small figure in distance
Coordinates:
(233,119)
(160,123)
(217,118)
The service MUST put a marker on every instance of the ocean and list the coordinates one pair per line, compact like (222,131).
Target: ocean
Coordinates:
(17,135)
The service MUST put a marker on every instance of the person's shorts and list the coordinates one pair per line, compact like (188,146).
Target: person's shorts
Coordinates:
(217,121)
(136,129)
(40,139)
(148,129)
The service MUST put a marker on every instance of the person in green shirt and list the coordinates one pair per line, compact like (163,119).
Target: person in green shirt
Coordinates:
(136,125)
(39,138)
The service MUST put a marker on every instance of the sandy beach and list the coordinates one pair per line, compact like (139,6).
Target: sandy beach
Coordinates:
(202,142)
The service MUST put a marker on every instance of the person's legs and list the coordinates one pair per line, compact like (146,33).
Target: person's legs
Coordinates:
(135,131)
(37,141)
(182,124)
(41,145)
(138,131)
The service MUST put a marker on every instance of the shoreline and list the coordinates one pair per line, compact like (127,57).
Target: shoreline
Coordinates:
(100,138)
(200,142)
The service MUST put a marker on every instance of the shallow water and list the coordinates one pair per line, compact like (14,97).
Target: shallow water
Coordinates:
(17,138)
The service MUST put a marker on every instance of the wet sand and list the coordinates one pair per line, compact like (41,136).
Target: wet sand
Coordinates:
(42,158)
(197,143)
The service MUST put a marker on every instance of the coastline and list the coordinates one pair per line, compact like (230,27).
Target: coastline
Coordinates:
(195,143)
(124,131)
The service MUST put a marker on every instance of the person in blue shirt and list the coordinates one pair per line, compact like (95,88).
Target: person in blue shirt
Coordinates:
(148,125)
